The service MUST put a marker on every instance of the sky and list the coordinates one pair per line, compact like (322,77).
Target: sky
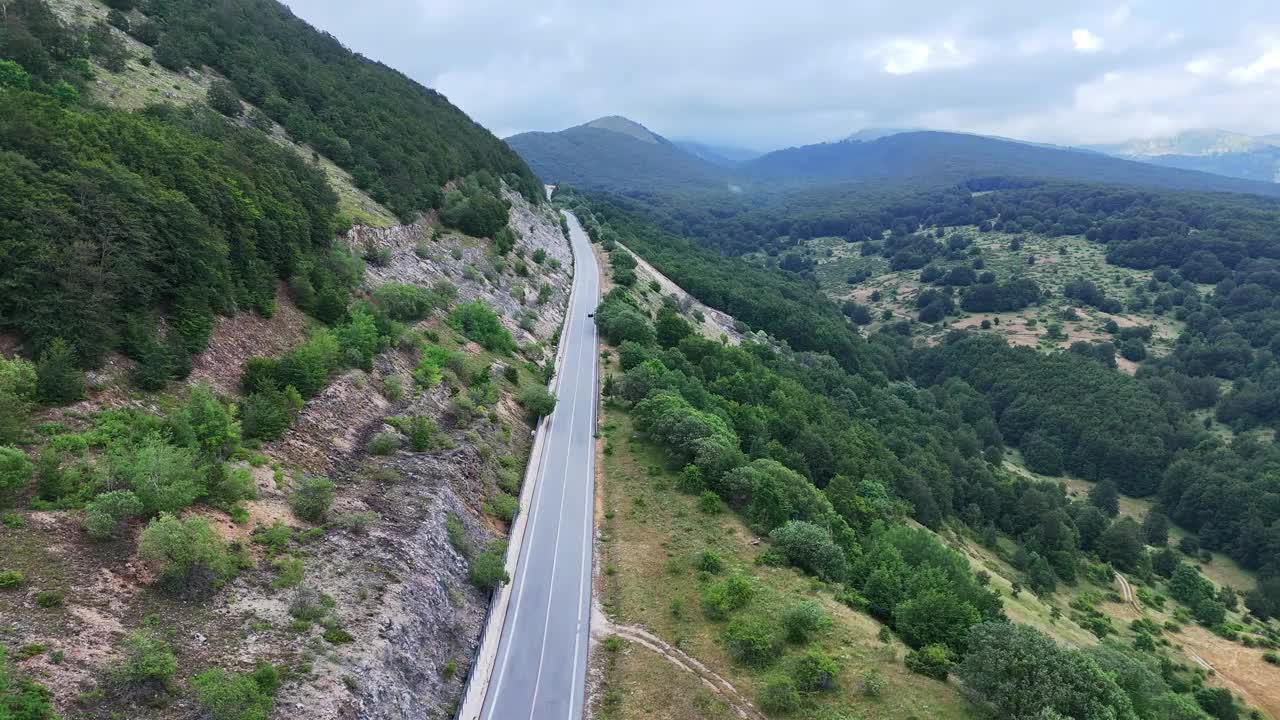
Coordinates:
(764,74)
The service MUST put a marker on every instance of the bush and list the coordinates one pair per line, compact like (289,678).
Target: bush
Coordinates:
(17,393)
(726,595)
(779,696)
(165,478)
(711,562)
(815,671)
(488,570)
(933,661)
(148,663)
(15,472)
(810,548)
(752,641)
(709,502)
(312,499)
(480,323)
(50,599)
(266,414)
(11,579)
(503,507)
(872,683)
(190,558)
(384,443)
(237,696)
(206,425)
(406,303)
(803,618)
(107,514)
(422,431)
(691,480)
(20,698)
(538,401)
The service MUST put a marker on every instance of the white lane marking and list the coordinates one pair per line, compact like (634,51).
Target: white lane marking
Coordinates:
(524,566)
(584,566)
(555,550)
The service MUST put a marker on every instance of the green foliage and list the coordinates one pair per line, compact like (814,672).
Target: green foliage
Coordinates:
(267,413)
(710,561)
(206,425)
(1020,672)
(932,661)
(190,558)
(222,97)
(237,696)
(10,579)
(312,498)
(810,548)
(476,211)
(214,216)
(815,671)
(16,472)
(538,401)
(17,395)
(620,321)
(21,698)
(148,663)
(430,370)
(726,595)
(107,514)
(488,569)
(503,507)
(480,323)
(752,641)
(779,696)
(384,443)
(57,380)
(165,478)
(802,619)
(410,303)
(422,432)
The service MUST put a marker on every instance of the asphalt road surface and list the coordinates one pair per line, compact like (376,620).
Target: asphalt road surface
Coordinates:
(542,656)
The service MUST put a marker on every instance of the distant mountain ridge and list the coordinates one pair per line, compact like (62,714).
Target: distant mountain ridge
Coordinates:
(1207,150)
(722,155)
(617,154)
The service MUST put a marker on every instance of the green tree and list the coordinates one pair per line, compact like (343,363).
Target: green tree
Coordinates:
(935,617)
(106,515)
(57,380)
(1155,528)
(1121,544)
(222,97)
(1104,496)
(312,498)
(164,478)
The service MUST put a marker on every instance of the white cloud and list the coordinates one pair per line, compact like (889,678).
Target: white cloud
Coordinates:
(904,56)
(768,74)
(1256,70)
(1085,41)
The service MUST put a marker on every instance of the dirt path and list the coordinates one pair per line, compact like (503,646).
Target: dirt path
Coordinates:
(1127,590)
(602,627)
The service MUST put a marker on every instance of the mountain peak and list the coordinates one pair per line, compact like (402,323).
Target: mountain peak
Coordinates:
(625,126)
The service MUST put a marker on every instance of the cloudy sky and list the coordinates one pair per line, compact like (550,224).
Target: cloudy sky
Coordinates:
(767,74)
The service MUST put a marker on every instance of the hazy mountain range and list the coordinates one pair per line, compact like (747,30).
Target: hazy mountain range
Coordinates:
(619,154)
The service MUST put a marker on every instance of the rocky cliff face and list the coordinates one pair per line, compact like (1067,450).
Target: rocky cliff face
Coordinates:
(402,621)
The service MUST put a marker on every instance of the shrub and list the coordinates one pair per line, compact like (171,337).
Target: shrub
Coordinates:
(266,414)
(726,595)
(480,323)
(237,696)
(310,605)
(15,472)
(815,671)
(148,663)
(11,579)
(190,558)
(503,507)
(752,641)
(538,401)
(164,477)
(20,698)
(803,618)
(709,502)
(384,443)
(710,561)
(312,499)
(422,430)
(289,572)
(779,696)
(933,661)
(872,683)
(106,515)
(50,599)
(691,480)
(406,303)
(488,570)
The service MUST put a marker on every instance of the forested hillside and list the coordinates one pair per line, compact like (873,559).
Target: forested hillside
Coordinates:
(604,158)
(826,461)
(241,436)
